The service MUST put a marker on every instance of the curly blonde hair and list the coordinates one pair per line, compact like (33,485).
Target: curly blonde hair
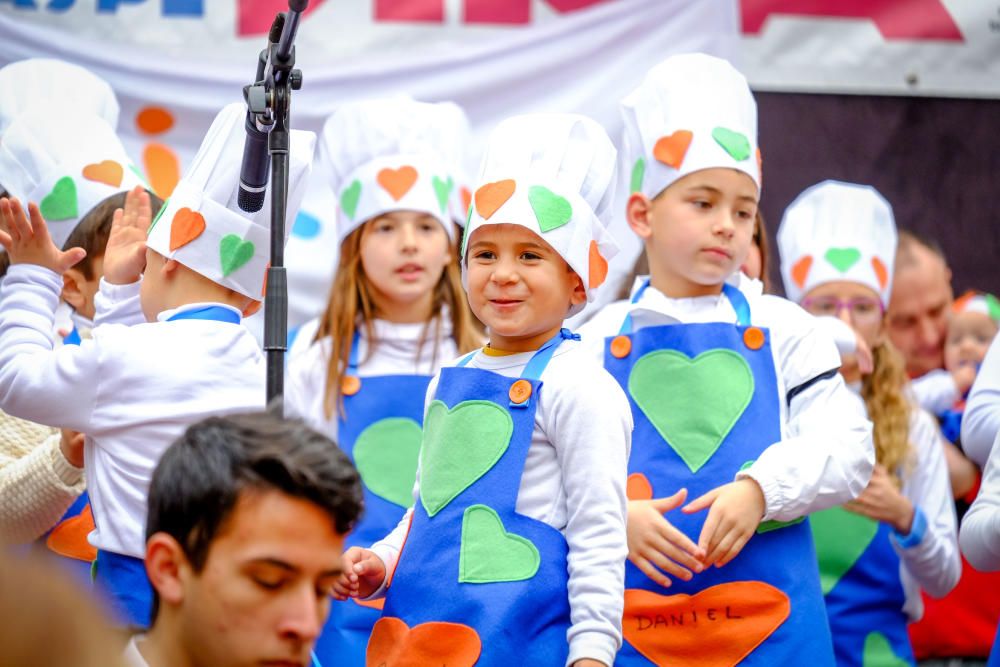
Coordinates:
(889,410)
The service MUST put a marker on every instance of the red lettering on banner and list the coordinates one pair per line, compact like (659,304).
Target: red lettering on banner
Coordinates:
(410,10)
(256,16)
(895,19)
(515,12)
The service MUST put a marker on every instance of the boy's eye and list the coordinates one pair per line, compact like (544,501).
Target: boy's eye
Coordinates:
(701,203)
(484,254)
(530,256)
(427,226)
(268,583)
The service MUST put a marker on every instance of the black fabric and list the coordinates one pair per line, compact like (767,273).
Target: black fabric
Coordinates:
(795,391)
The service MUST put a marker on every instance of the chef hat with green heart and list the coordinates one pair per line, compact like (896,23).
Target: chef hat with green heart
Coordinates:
(389,155)
(50,83)
(202,226)
(691,112)
(837,231)
(67,165)
(553,173)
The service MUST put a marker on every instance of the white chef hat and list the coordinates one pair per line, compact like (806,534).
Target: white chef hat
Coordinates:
(391,155)
(837,231)
(552,173)
(66,165)
(203,227)
(978,302)
(691,112)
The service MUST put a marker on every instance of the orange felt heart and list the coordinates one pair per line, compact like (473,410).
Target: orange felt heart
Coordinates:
(186,226)
(800,271)
(69,538)
(371,604)
(394,644)
(492,196)
(881,272)
(671,149)
(717,627)
(598,266)
(637,487)
(397,182)
(108,172)
(466,199)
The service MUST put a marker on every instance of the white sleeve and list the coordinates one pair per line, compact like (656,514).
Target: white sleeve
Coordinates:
(981,525)
(930,551)
(981,421)
(935,391)
(841,333)
(589,423)
(118,304)
(56,388)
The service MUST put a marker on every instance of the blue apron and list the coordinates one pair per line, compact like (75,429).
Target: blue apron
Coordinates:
(476,579)
(123,578)
(765,607)
(995,653)
(864,595)
(380,430)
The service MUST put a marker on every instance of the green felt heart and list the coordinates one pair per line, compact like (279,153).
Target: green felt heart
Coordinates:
(734,143)
(442,189)
(349,199)
(385,454)
(840,537)
(551,210)
(843,259)
(718,386)
(878,653)
(638,173)
(234,252)
(460,445)
(61,203)
(489,553)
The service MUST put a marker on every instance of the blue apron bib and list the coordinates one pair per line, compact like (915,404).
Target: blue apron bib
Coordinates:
(704,399)
(476,582)
(995,653)
(123,578)
(863,593)
(380,430)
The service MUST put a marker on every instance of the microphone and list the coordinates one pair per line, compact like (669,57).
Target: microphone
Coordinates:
(256,165)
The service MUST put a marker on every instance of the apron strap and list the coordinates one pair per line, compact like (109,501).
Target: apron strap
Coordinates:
(736,299)
(538,362)
(217,313)
(352,359)
(464,361)
(627,323)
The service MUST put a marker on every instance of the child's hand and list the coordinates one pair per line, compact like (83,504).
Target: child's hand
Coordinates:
(863,356)
(882,501)
(125,255)
(363,573)
(71,446)
(655,545)
(29,242)
(589,662)
(736,510)
(964,376)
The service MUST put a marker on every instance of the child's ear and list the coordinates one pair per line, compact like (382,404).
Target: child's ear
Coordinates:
(637,214)
(252,307)
(579,294)
(167,567)
(71,292)
(170,266)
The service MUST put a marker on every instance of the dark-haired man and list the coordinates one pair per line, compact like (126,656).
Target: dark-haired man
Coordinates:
(246,525)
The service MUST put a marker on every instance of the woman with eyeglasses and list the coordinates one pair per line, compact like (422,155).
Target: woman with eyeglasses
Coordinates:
(837,243)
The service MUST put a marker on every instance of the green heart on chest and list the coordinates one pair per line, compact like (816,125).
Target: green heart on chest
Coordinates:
(840,537)
(692,403)
(385,454)
(460,445)
(489,554)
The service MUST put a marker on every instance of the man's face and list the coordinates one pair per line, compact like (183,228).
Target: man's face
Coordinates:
(918,311)
(263,595)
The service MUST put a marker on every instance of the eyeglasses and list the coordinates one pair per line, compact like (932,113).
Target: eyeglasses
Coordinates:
(862,309)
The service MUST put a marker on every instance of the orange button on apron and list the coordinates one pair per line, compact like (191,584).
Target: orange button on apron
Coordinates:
(753,338)
(621,346)
(520,391)
(350,385)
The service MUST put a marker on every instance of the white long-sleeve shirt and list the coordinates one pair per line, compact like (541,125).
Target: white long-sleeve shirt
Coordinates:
(132,390)
(398,352)
(981,421)
(825,456)
(980,536)
(935,391)
(573,480)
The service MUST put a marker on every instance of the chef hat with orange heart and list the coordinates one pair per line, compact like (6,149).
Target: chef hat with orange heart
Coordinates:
(978,302)
(837,231)
(691,112)
(65,165)
(202,226)
(386,155)
(553,173)
(40,83)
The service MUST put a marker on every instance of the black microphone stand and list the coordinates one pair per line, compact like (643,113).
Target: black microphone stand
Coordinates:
(269,100)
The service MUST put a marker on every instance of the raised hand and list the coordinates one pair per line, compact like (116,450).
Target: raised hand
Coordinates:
(29,242)
(363,573)
(125,255)
(736,510)
(882,501)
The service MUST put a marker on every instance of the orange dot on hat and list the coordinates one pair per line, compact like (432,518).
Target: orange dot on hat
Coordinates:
(350,385)
(753,338)
(154,120)
(520,391)
(621,346)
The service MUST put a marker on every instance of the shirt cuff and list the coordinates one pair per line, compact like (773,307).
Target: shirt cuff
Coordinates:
(769,487)
(917,531)
(593,645)
(116,293)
